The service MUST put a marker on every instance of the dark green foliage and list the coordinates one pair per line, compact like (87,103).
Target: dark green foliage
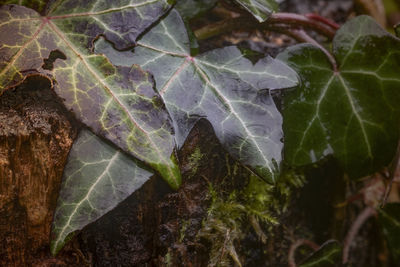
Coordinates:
(351,113)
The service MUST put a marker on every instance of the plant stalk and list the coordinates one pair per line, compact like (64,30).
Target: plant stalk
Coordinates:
(295,21)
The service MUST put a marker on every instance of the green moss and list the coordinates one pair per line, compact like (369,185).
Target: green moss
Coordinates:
(168,258)
(194,161)
(183,229)
(256,207)
(222,228)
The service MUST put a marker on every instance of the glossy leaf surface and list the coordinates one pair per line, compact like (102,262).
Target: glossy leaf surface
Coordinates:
(117,103)
(352,114)
(328,255)
(96,178)
(261,9)
(221,85)
(389,218)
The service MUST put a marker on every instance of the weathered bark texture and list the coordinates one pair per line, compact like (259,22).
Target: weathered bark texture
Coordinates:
(35,137)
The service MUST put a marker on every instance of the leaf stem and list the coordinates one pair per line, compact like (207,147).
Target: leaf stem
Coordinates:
(297,244)
(354,229)
(323,20)
(295,21)
(302,36)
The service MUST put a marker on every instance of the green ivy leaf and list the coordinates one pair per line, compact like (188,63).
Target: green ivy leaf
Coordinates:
(221,86)
(117,103)
(96,178)
(192,8)
(328,255)
(389,218)
(353,113)
(260,9)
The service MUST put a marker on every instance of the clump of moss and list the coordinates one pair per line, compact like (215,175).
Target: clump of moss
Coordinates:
(222,227)
(258,204)
(194,161)
(168,259)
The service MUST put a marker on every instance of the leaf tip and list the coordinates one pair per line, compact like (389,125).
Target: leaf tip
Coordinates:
(170,172)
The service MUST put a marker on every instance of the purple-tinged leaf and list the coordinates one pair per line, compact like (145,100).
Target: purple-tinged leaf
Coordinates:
(117,103)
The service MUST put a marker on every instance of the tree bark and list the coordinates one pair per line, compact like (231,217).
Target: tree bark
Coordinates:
(36,134)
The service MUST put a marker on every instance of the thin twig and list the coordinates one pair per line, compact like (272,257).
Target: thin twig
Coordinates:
(295,245)
(355,227)
(221,256)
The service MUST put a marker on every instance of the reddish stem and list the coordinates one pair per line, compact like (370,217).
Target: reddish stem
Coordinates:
(292,21)
(295,245)
(301,20)
(302,36)
(355,227)
(323,20)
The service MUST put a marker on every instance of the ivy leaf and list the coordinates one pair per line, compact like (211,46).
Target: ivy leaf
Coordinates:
(117,103)
(96,178)
(221,86)
(326,256)
(353,113)
(389,218)
(71,24)
(260,9)
(192,8)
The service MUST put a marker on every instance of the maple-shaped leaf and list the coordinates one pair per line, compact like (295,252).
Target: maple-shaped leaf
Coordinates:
(352,113)
(96,178)
(119,103)
(221,85)
(260,9)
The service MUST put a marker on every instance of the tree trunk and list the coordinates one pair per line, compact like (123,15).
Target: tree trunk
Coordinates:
(35,137)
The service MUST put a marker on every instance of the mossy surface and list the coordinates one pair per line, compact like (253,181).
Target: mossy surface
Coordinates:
(254,208)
